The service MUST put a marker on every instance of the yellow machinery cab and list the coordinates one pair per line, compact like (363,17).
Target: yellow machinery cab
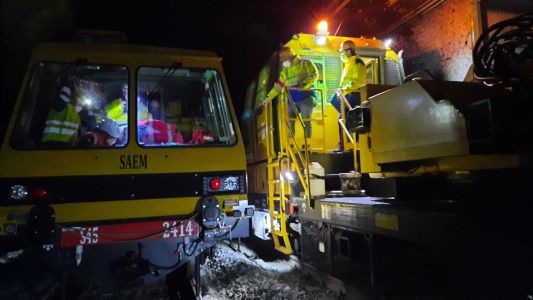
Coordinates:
(117,143)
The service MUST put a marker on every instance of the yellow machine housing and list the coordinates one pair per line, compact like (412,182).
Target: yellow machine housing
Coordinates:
(430,126)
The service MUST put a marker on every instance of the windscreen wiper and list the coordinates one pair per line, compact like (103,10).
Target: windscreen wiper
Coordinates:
(171,70)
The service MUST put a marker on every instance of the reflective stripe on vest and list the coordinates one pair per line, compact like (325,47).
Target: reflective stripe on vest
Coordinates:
(61,126)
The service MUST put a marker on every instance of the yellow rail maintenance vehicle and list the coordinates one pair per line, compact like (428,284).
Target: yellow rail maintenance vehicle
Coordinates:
(115,147)
(429,167)
(280,160)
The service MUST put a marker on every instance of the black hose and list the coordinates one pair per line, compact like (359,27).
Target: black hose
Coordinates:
(231,229)
(502,46)
(166,267)
(195,245)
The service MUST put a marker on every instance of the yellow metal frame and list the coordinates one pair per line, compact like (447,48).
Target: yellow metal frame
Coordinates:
(289,158)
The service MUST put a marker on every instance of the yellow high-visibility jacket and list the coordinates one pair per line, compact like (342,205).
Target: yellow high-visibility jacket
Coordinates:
(115,111)
(302,73)
(62,126)
(353,75)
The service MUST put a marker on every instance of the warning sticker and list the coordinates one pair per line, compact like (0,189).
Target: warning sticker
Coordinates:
(387,221)
(326,212)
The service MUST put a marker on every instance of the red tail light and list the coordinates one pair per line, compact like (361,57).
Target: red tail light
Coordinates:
(215,183)
(39,193)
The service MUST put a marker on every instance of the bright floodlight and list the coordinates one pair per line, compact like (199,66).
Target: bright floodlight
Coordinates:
(322,26)
(387,42)
(88,102)
(288,176)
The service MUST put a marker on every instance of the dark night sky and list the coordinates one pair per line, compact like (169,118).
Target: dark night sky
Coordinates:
(243,32)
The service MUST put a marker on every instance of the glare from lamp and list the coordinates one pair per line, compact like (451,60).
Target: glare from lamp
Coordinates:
(321,40)
(387,43)
(288,176)
(88,101)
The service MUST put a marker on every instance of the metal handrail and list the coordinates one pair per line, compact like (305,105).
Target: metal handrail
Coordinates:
(300,157)
(303,120)
(345,101)
(303,160)
(342,122)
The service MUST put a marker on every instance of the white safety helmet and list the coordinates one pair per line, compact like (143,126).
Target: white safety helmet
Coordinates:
(65,94)
(111,127)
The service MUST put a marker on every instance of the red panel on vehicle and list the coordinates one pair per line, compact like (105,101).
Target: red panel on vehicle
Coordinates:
(113,233)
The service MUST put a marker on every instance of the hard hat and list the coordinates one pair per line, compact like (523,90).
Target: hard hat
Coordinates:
(65,93)
(286,53)
(111,127)
(348,44)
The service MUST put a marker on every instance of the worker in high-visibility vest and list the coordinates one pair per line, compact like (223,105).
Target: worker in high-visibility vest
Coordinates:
(117,111)
(298,75)
(352,79)
(63,121)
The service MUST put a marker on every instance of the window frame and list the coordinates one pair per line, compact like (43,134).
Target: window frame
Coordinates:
(18,110)
(375,67)
(184,146)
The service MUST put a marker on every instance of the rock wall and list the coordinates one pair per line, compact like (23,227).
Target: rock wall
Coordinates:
(439,41)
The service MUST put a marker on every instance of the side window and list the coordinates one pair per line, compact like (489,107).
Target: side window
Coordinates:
(182,107)
(320,84)
(68,105)
(372,67)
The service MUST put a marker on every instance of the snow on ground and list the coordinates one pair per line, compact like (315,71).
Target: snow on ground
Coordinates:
(242,275)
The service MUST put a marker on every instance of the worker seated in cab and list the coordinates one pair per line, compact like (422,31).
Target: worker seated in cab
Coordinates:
(200,135)
(117,110)
(104,135)
(63,121)
(158,132)
(152,130)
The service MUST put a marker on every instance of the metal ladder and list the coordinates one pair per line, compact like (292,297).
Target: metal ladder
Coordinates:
(290,159)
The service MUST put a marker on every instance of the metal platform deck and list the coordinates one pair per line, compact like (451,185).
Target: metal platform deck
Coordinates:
(416,222)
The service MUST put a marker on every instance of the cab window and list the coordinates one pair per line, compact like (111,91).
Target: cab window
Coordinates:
(182,107)
(70,105)
(372,67)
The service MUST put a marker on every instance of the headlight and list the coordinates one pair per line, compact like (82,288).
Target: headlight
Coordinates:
(18,192)
(243,211)
(249,211)
(224,184)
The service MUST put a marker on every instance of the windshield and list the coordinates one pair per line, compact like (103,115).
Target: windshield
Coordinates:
(182,107)
(72,105)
